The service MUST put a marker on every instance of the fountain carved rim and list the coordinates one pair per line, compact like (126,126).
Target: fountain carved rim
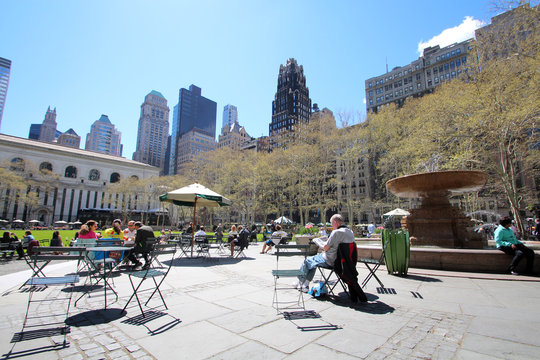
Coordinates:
(437,182)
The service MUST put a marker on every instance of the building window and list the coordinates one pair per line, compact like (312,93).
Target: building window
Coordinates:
(45,167)
(71,172)
(115,177)
(17,164)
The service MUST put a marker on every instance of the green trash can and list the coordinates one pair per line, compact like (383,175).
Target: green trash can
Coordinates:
(397,251)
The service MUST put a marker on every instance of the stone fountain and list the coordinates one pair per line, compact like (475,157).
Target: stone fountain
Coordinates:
(436,221)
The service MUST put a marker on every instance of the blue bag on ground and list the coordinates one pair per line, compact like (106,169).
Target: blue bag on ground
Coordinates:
(318,290)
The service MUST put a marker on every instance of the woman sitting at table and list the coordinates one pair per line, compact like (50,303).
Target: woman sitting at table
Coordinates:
(88,230)
(233,234)
(56,239)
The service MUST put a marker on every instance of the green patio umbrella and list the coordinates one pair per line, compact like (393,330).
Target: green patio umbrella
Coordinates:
(195,195)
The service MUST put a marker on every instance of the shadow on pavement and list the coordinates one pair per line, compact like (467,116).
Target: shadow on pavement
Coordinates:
(95,317)
(422,278)
(150,316)
(373,306)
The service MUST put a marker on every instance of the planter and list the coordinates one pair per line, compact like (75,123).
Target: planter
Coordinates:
(397,252)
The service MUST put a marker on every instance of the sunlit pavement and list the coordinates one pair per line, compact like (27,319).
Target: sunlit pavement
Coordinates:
(222,308)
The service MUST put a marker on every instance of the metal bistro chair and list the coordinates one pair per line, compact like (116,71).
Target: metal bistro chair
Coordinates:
(376,263)
(39,280)
(287,251)
(345,270)
(202,245)
(142,275)
(184,245)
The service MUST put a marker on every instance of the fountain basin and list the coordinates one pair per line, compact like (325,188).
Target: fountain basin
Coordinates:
(425,184)
(436,221)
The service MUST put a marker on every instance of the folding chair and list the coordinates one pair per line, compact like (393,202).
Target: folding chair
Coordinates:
(158,249)
(202,245)
(239,248)
(61,328)
(326,278)
(184,244)
(39,261)
(287,251)
(376,263)
(345,270)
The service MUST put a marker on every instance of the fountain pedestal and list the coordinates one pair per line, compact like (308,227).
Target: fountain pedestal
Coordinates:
(436,221)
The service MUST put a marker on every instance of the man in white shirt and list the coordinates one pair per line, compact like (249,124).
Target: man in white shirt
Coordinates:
(201,232)
(340,234)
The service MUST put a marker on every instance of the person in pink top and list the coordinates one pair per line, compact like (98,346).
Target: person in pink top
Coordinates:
(88,230)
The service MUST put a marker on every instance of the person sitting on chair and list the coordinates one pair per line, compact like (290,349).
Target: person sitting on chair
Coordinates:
(201,232)
(32,243)
(340,234)
(13,243)
(236,240)
(143,234)
(269,243)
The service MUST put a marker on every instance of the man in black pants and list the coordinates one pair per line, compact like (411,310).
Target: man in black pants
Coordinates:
(143,234)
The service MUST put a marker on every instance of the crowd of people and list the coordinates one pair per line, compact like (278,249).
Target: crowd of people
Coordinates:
(135,235)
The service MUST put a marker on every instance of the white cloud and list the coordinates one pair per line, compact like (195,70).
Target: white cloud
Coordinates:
(459,33)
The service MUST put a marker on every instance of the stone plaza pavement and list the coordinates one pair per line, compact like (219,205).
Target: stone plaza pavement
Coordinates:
(222,309)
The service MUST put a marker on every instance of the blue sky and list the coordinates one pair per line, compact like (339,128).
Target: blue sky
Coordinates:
(88,58)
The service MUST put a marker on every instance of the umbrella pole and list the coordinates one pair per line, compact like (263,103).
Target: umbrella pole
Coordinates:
(194,223)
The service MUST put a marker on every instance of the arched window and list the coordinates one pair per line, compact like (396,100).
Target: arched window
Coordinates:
(115,177)
(94,175)
(45,167)
(71,172)
(134,177)
(17,164)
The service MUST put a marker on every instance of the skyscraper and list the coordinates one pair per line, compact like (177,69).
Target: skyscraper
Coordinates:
(104,138)
(230,116)
(153,131)
(291,104)
(195,112)
(5,70)
(35,130)
(47,133)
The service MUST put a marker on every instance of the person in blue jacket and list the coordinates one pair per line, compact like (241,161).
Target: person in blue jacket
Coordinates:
(506,241)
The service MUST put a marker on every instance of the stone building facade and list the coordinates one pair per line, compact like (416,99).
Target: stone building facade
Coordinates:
(74,179)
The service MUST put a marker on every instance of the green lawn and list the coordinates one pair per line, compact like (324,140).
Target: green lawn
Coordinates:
(67,235)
